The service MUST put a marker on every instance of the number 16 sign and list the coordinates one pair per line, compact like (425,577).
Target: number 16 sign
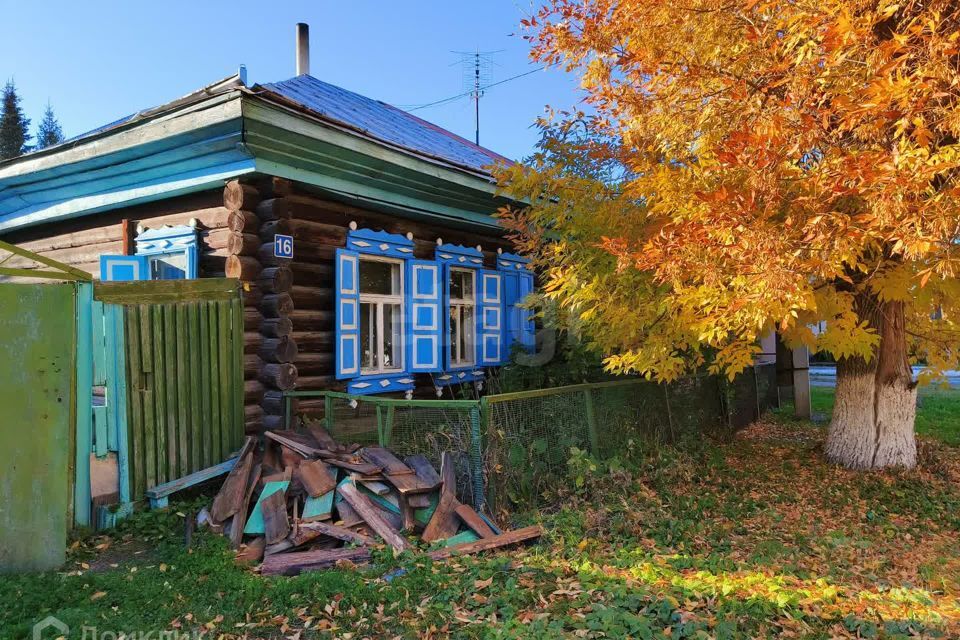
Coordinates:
(283,246)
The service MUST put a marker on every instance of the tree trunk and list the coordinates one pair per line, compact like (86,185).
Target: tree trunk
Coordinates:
(876,400)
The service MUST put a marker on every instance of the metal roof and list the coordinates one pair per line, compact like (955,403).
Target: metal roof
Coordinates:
(382,121)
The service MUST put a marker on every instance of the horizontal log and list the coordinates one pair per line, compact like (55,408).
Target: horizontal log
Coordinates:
(278,376)
(318,274)
(311,319)
(252,391)
(307,231)
(243,221)
(252,319)
(304,251)
(311,297)
(251,341)
(237,196)
(246,268)
(313,341)
(252,412)
(314,364)
(96,235)
(276,327)
(252,295)
(211,218)
(319,383)
(275,280)
(232,242)
(71,256)
(251,365)
(275,305)
(267,258)
(273,422)
(278,349)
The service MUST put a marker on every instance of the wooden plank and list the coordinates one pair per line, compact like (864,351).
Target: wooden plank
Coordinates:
(252,552)
(170,371)
(461,538)
(226,374)
(213,364)
(134,390)
(364,468)
(348,516)
(408,522)
(83,416)
(183,390)
(385,459)
(122,419)
(374,486)
(368,512)
(291,564)
(292,444)
(423,515)
(205,403)
(444,522)
(196,390)
(486,544)
(169,488)
(159,395)
(239,422)
(166,291)
(255,521)
(240,517)
(228,499)
(316,478)
(424,470)
(319,508)
(334,531)
(276,523)
(472,519)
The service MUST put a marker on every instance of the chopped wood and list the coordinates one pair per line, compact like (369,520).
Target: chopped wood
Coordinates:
(444,522)
(365,468)
(276,524)
(486,544)
(472,519)
(348,517)
(240,518)
(284,439)
(318,508)
(252,552)
(228,499)
(408,522)
(291,564)
(425,472)
(333,531)
(390,464)
(372,517)
(324,439)
(375,486)
(418,500)
(316,478)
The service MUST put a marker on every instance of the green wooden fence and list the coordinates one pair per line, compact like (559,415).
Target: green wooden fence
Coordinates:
(184,368)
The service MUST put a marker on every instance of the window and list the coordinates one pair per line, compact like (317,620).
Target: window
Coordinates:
(462,316)
(168,266)
(381,315)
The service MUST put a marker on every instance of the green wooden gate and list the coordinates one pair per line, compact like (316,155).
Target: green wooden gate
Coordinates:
(183,346)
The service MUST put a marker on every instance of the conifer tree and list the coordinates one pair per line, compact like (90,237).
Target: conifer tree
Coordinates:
(49,132)
(14,126)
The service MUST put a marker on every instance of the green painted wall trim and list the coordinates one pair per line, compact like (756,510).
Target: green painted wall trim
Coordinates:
(84,438)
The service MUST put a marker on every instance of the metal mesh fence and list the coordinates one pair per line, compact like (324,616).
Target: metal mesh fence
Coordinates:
(515,447)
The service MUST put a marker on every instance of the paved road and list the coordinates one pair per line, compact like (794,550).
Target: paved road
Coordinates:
(826,376)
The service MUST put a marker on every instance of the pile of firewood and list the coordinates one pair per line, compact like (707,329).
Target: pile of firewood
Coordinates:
(303,502)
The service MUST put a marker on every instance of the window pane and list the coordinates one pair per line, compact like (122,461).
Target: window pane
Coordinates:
(466,335)
(168,266)
(453,339)
(461,284)
(392,342)
(368,335)
(379,278)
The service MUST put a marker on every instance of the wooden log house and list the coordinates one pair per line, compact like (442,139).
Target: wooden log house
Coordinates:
(400,277)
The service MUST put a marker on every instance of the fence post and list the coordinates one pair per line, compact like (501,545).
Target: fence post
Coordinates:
(476,455)
(286,411)
(591,422)
(328,413)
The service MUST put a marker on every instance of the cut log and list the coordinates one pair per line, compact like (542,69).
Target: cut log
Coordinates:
(243,221)
(473,520)
(362,505)
(291,564)
(275,305)
(486,544)
(278,349)
(278,376)
(276,327)
(273,209)
(231,494)
(242,244)
(237,196)
(316,478)
(245,268)
(275,280)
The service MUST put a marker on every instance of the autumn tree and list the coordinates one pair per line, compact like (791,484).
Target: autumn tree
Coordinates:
(749,166)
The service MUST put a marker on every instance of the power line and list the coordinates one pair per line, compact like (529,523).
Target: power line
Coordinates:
(471,92)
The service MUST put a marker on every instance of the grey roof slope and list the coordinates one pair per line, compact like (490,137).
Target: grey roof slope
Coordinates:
(382,121)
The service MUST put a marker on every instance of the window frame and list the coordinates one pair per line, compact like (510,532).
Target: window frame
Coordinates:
(379,301)
(461,304)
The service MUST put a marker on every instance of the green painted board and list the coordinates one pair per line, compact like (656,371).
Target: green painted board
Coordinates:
(423,515)
(383,501)
(318,507)
(37,366)
(255,521)
(460,538)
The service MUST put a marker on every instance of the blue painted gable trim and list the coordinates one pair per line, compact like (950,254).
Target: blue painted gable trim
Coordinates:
(460,256)
(380,243)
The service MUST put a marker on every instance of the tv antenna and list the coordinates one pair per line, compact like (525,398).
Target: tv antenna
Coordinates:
(475,66)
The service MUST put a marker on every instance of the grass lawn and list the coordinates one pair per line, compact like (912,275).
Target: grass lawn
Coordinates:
(755,538)
(938,413)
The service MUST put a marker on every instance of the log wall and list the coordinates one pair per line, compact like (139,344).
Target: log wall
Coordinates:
(288,304)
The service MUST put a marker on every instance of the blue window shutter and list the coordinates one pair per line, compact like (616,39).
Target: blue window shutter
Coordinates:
(527,329)
(511,313)
(347,300)
(425,323)
(445,307)
(490,318)
(122,268)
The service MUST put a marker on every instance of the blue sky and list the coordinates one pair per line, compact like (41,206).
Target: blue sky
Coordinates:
(96,61)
